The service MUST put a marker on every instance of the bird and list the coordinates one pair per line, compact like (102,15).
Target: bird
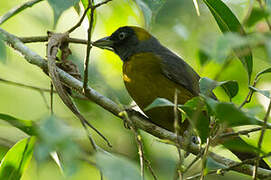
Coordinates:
(150,71)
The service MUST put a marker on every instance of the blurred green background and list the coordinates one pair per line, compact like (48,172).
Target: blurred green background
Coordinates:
(177,26)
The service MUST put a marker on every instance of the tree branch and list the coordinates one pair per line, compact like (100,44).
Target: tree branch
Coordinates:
(35,39)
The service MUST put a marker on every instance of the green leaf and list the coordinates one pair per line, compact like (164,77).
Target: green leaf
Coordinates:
(227,22)
(266,93)
(237,146)
(203,57)
(3,54)
(117,167)
(26,126)
(229,114)
(77,8)
(230,87)
(213,165)
(17,159)
(59,6)
(210,102)
(267,45)
(146,12)
(256,15)
(268,70)
(159,102)
(150,9)
(268,3)
(208,85)
(194,111)
(226,43)
(197,117)
(55,136)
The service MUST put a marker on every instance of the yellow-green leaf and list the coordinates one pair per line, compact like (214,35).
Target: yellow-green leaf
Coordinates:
(17,159)
(228,22)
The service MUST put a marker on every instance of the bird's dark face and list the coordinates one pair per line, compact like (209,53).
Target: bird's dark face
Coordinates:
(125,41)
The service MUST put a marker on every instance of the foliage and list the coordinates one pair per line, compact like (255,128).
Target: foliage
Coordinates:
(60,6)
(2,51)
(117,167)
(17,159)
(229,90)
(227,22)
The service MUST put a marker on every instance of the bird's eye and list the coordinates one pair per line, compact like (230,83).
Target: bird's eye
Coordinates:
(122,35)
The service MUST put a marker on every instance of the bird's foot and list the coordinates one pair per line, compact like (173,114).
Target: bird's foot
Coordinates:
(128,110)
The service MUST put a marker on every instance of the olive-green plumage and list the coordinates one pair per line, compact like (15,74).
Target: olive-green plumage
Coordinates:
(147,83)
(152,71)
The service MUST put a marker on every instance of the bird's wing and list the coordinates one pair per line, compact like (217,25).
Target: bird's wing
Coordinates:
(177,70)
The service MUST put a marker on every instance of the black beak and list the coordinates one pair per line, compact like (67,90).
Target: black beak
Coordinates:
(104,43)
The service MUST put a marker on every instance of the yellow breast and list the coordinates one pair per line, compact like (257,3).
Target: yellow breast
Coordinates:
(145,82)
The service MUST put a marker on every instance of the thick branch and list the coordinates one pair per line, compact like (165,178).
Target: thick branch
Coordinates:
(139,120)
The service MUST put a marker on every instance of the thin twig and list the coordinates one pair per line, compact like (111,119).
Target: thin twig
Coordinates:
(89,46)
(255,174)
(54,43)
(24,85)
(101,3)
(18,9)
(140,151)
(44,100)
(140,146)
(139,142)
(247,99)
(89,135)
(204,158)
(35,39)
(209,139)
(242,132)
(39,89)
(150,169)
(52,99)
(194,161)
(80,21)
(234,165)
(250,93)
(177,130)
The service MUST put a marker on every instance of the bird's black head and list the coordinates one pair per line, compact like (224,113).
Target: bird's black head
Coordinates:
(125,41)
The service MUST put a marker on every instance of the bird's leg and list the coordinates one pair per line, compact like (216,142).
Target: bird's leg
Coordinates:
(128,111)
(132,110)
